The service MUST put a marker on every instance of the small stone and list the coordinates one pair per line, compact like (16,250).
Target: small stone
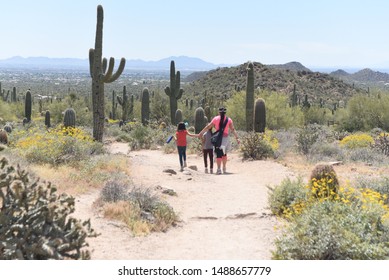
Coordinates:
(170,171)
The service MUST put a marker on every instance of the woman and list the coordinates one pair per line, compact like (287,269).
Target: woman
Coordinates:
(221,122)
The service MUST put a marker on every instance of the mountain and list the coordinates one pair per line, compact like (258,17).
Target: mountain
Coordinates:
(365,77)
(292,66)
(223,81)
(182,63)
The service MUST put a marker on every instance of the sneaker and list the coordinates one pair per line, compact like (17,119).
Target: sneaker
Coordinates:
(211,171)
(184,163)
(218,172)
(224,170)
(206,170)
(182,169)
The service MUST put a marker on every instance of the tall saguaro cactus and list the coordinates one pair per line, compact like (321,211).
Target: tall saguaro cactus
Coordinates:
(145,110)
(127,104)
(100,75)
(250,97)
(174,91)
(28,106)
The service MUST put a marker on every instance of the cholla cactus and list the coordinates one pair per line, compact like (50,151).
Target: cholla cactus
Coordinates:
(35,221)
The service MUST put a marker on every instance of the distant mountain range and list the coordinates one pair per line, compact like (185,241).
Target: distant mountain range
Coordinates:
(183,63)
(363,76)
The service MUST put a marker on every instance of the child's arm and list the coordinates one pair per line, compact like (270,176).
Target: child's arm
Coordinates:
(193,135)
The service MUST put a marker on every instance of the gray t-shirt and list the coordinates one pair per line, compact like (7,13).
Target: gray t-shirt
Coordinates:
(208,143)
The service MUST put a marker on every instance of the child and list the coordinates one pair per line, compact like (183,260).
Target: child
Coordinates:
(208,150)
(181,143)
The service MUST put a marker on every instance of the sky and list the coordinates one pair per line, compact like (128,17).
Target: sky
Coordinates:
(316,33)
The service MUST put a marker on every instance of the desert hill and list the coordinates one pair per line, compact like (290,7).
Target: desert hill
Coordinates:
(281,78)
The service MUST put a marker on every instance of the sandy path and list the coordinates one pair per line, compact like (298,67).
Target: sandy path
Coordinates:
(223,216)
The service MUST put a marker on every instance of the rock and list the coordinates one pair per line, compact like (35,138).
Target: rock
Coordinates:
(169,192)
(186,172)
(193,167)
(170,171)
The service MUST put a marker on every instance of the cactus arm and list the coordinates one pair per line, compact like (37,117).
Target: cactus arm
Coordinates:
(120,100)
(168,91)
(115,76)
(180,92)
(104,65)
(108,74)
(91,60)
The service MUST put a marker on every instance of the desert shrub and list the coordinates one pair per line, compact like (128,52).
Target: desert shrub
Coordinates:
(141,137)
(380,185)
(332,230)
(326,152)
(255,146)
(114,191)
(283,196)
(57,146)
(139,208)
(316,115)
(306,137)
(35,220)
(367,155)
(381,143)
(354,141)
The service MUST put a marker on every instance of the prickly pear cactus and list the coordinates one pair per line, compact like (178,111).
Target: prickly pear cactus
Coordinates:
(35,222)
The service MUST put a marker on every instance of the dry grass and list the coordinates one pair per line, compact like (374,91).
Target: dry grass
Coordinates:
(87,175)
(129,214)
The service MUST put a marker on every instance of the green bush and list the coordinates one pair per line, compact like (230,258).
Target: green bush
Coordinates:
(307,137)
(286,194)
(254,146)
(334,231)
(35,221)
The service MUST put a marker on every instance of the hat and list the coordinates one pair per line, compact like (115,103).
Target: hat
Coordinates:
(222,110)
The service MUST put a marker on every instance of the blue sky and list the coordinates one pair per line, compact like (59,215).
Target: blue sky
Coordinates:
(316,33)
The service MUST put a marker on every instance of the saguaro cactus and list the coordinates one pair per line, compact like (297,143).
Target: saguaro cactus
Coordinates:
(145,110)
(260,115)
(178,116)
(47,119)
(200,120)
(250,97)
(13,96)
(127,104)
(174,91)
(69,118)
(28,106)
(114,105)
(100,75)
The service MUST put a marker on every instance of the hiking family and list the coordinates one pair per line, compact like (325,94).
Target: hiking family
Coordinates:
(217,143)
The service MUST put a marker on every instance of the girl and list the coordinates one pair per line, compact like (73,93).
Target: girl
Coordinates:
(208,150)
(181,143)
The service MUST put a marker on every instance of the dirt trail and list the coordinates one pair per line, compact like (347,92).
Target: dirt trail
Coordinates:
(223,216)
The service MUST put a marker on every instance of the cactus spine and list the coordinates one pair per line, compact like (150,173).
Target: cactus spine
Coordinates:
(199,119)
(174,91)
(69,119)
(145,110)
(178,116)
(100,75)
(28,106)
(259,115)
(250,97)
(47,119)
